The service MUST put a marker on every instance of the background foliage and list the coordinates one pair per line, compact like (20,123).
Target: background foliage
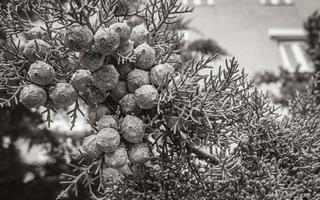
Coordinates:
(290,82)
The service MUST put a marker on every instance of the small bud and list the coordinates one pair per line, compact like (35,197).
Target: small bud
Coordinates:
(123,31)
(244,138)
(36,47)
(33,96)
(175,61)
(108,140)
(139,34)
(128,104)
(145,56)
(106,78)
(89,146)
(146,97)
(106,41)
(95,113)
(137,78)
(159,72)
(78,38)
(119,91)
(41,73)
(91,60)
(133,129)
(107,121)
(62,95)
(116,159)
(139,153)
(81,79)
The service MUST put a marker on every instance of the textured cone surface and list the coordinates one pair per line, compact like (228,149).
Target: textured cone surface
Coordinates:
(106,41)
(108,140)
(128,104)
(139,153)
(107,121)
(89,146)
(145,56)
(116,159)
(91,60)
(123,31)
(137,78)
(139,34)
(134,21)
(63,95)
(81,79)
(119,91)
(159,72)
(96,112)
(175,61)
(106,78)
(78,37)
(34,47)
(122,8)
(33,96)
(133,129)
(126,49)
(41,73)
(146,96)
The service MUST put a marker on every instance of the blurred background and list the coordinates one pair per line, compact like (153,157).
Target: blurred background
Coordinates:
(275,41)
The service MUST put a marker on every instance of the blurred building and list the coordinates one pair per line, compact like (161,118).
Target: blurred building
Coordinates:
(261,34)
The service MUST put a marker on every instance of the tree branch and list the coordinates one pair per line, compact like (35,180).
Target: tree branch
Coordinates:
(202,154)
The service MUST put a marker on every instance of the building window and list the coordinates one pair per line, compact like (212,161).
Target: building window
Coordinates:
(198,2)
(276,2)
(292,49)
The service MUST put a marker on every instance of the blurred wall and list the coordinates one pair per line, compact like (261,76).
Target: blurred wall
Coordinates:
(241,27)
